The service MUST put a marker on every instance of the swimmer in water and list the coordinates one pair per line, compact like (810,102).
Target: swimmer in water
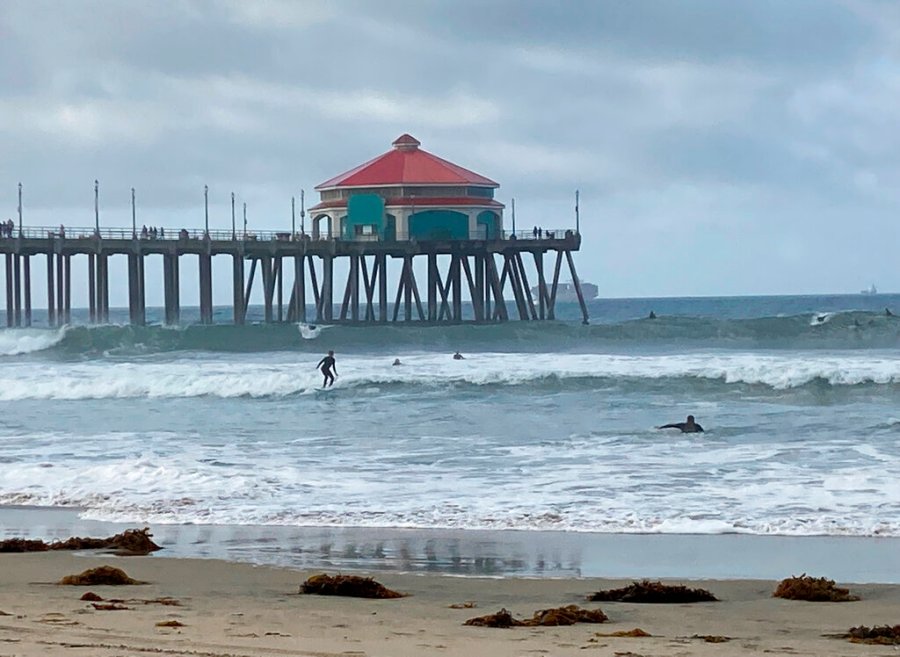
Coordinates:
(686,427)
(458,356)
(396,362)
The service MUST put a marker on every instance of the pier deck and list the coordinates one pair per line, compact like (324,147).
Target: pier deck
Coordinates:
(486,269)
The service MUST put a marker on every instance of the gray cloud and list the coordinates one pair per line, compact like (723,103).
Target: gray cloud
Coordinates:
(747,134)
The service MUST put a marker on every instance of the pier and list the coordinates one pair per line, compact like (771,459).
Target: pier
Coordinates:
(371,226)
(297,274)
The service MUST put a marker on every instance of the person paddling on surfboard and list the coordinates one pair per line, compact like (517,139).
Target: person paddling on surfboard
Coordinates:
(686,427)
(329,369)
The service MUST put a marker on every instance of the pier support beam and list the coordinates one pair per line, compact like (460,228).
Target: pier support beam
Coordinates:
(103,288)
(268,286)
(17,289)
(26,270)
(299,290)
(382,287)
(51,300)
(10,312)
(92,289)
(327,288)
(171,289)
(206,307)
(577,283)
(237,266)
(136,289)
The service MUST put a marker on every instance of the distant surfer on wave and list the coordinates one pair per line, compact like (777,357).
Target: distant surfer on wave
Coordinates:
(686,427)
(396,362)
(329,369)
(458,356)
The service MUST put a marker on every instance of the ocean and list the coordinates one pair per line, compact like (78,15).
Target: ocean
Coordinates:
(543,427)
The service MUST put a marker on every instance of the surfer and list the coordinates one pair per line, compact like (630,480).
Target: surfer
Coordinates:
(686,427)
(652,315)
(396,362)
(458,356)
(888,313)
(329,369)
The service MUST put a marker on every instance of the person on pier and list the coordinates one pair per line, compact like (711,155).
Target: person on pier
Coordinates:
(329,369)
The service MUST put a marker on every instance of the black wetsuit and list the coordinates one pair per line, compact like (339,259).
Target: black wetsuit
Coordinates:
(326,365)
(684,427)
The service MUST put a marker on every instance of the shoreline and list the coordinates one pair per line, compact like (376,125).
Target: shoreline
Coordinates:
(493,553)
(240,610)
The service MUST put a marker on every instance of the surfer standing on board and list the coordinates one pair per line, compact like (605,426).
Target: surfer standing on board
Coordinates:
(329,369)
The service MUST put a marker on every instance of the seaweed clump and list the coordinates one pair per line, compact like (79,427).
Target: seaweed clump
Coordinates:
(653,592)
(885,635)
(636,633)
(812,589)
(348,585)
(502,619)
(546,617)
(22,545)
(131,542)
(104,575)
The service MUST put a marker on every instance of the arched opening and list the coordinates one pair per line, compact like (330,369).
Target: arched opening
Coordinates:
(317,227)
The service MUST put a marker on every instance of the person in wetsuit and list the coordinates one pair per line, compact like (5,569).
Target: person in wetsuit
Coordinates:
(458,356)
(686,427)
(329,369)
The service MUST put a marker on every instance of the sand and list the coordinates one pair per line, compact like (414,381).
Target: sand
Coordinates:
(243,610)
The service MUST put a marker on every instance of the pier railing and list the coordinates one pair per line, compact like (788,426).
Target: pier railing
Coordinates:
(78,233)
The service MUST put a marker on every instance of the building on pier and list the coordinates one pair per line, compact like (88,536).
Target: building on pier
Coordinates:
(407,194)
(371,227)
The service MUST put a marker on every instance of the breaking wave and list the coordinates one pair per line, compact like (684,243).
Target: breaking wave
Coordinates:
(847,330)
(270,377)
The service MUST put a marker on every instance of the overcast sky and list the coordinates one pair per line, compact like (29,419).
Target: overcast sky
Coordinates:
(721,147)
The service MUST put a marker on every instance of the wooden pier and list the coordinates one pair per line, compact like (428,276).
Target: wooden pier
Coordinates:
(296,271)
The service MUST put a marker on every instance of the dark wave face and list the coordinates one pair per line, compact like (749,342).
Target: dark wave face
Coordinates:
(850,330)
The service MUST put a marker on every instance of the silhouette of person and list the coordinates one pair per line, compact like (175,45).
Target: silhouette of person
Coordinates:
(888,313)
(458,356)
(652,315)
(686,427)
(396,362)
(329,369)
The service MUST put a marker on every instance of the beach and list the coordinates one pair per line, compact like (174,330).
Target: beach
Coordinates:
(239,609)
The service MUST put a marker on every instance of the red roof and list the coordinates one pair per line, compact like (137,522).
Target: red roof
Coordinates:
(421,202)
(407,164)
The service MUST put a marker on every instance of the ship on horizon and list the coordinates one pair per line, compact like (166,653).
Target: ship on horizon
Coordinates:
(566,293)
(871,290)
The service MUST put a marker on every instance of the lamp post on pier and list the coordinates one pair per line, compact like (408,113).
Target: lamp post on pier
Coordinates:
(514,217)
(133,217)
(577,222)
(293,220)
(97,208)
(245,222)
(206,210)
(302,213)
(233,231)
(20,209)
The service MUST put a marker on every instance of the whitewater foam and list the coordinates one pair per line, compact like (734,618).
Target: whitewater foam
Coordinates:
(267,377)
(17,341)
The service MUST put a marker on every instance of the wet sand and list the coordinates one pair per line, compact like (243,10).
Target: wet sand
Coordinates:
(231,609)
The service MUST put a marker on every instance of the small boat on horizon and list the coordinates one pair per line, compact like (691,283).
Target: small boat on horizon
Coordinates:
(871,290)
